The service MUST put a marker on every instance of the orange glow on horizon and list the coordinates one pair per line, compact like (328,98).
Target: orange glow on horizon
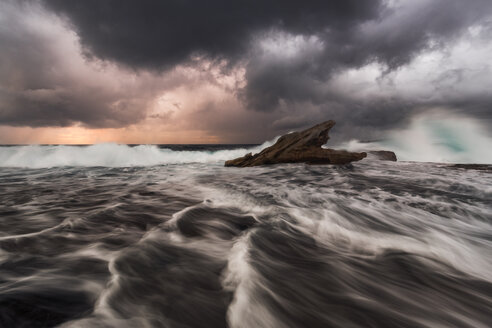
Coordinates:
(80,135)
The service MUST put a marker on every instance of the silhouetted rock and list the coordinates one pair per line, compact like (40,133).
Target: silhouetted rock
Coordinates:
(300,147)
(384,155)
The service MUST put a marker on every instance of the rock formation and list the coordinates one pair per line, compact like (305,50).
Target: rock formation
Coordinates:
(300,147)
(383,155)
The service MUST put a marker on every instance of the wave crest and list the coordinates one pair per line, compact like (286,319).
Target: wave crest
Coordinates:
(112,155)
(435,137)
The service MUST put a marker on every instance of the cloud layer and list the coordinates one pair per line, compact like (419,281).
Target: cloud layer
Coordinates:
(254,65)
(156,34)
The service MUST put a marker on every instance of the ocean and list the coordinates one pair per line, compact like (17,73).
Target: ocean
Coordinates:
(166,236)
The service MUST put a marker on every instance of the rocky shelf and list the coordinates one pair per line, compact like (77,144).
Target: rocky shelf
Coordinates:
(300,147)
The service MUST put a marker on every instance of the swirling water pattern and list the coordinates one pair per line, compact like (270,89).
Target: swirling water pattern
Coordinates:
(372,244)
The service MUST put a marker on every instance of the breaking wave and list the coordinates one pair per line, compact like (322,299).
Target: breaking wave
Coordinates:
(113,155)
(435,137)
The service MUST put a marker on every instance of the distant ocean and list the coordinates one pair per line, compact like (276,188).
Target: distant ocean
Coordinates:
(165,236)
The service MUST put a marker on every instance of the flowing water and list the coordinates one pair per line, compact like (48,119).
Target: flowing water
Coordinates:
(118,236)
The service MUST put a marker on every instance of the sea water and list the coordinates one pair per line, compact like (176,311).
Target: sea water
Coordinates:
(146,236)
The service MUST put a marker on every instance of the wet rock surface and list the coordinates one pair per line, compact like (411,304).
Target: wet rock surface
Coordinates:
(300,147)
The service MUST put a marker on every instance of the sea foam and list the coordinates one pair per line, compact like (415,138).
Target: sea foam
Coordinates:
(112,155)
(435,137)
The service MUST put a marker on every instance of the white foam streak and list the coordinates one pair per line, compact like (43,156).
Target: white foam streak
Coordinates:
(246,310)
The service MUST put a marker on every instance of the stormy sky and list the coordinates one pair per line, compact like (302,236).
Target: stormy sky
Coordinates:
(185,71)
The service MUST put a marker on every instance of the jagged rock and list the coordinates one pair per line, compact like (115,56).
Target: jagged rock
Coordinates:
(300,147)
(384,155)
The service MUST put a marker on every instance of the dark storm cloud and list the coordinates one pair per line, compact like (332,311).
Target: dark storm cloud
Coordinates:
(156,34)
(44,82)
(291,52)
(37,86)
(52,107)
(393,40)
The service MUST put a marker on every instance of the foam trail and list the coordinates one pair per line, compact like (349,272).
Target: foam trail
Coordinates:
(112,155)
(435,137)
(376,244)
